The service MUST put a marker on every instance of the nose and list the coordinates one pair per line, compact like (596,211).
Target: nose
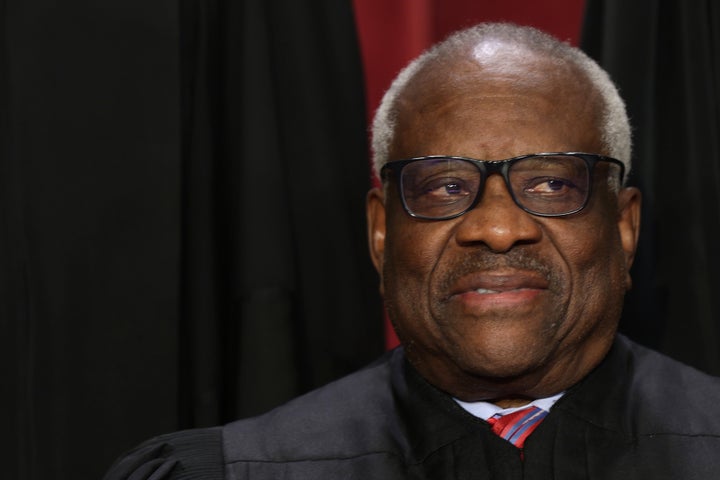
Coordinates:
(497,221)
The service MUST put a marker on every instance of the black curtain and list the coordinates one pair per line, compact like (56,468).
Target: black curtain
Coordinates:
(182,235)
(665,57)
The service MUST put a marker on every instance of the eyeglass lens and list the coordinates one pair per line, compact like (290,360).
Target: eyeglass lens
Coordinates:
(545,185)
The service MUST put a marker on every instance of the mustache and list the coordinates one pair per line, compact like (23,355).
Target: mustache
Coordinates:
(484,260)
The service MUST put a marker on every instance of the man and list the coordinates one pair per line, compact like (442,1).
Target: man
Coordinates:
(503,235)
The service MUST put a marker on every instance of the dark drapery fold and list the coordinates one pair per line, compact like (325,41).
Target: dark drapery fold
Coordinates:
(182,235)
(291,166)
(665,57)
(89,185)
(275,175)
(15,323)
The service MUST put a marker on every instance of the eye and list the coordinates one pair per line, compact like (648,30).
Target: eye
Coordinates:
(453,188)
(447,187)
(549,186)
(442,189)
(439,188)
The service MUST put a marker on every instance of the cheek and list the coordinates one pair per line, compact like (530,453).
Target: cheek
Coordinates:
(597,271)
(590,242)
(414,247)
(412,252)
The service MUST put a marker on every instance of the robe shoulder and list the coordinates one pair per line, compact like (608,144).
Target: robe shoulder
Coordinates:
(185,455)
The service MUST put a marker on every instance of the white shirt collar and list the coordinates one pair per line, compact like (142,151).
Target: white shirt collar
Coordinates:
(485,410)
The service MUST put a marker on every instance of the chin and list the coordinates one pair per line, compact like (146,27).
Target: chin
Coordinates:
(498,369)
(508,354)
(464,373)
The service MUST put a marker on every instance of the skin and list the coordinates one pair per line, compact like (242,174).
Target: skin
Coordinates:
(557,283)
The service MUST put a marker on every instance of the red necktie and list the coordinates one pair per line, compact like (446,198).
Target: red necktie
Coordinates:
(515,427)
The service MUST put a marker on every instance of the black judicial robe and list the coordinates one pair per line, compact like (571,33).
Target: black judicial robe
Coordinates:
(638,415)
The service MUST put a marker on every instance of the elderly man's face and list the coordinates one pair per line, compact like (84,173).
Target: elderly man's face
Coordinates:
(499,304)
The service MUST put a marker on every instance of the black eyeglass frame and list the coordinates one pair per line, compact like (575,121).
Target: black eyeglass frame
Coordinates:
(502,167)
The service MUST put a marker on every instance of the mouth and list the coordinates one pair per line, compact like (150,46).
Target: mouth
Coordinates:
(499,281)
(498,287)
(485,291)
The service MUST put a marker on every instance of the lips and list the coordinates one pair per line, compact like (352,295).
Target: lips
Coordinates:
(498,282)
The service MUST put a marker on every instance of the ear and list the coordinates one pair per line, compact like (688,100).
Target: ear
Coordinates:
(375,210)
(629,202)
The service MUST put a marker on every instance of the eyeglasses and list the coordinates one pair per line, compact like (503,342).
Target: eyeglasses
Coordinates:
(543,184)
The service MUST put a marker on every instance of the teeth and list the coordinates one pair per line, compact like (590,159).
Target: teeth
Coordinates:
(485,290)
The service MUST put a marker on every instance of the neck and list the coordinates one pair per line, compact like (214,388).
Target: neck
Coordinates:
(511,402)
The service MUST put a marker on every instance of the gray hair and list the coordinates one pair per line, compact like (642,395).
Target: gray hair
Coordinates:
(615,127)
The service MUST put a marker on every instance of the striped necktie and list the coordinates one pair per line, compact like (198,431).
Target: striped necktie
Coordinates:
(515,427)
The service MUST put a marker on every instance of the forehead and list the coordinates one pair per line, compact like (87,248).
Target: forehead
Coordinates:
(496,101)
